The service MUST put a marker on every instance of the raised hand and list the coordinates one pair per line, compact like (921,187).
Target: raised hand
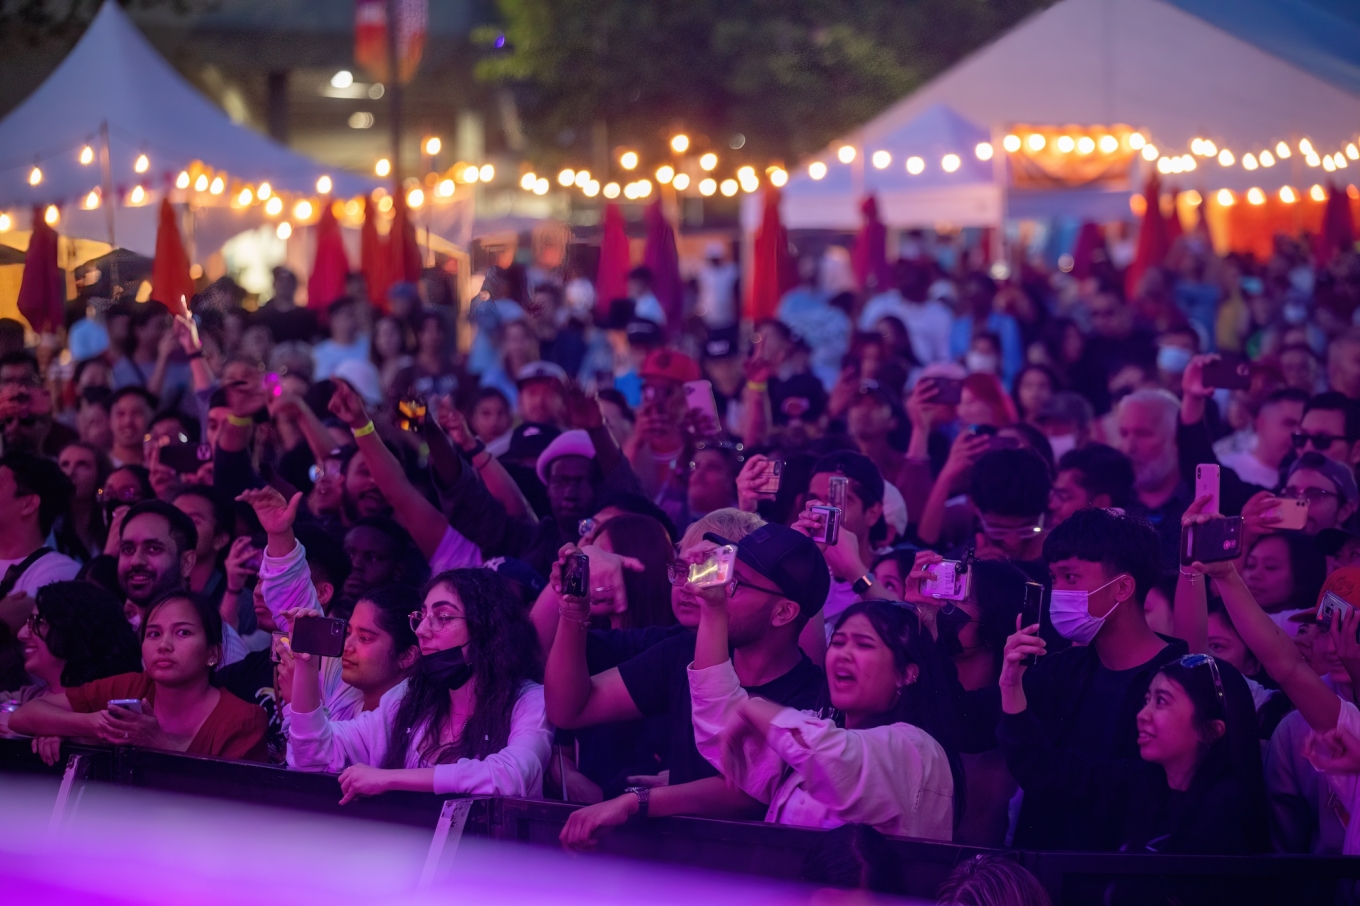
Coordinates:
(185,332)
(242,564)
(447,416)
(347,406)
(276,515)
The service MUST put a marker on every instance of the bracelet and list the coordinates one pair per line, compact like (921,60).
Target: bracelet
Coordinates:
(240,422)
(572,617)
(758,386)
(365,430)
(1191,574)
(485,462)
(476,450)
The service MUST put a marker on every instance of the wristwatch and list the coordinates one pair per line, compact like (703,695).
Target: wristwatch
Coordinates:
(863,583)
(644,794)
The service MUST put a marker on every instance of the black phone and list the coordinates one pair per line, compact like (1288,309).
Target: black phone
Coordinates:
(983,430)
(576,576)
(186,458)
(1228,372)
(1212,541)
(1031,612)
(324,636)
(950,390)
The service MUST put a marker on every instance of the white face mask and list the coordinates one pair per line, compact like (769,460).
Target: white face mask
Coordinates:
(980,361)
(1063,443)
(1070,612)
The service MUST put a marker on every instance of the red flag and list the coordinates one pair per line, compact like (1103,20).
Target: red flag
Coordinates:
(370,36)
(870,257)
(611,279)
(373,258)
(1153,243)
(662,258)
(770,266)
(42,289)
(330,270)
(170,280)
(403,254)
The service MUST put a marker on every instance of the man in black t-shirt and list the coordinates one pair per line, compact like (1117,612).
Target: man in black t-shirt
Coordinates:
(775,566)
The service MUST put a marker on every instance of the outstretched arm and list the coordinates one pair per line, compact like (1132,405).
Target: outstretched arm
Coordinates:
(497,480)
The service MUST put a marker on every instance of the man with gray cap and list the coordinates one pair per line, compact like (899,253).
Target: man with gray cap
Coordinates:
(779,580)
(1327,485)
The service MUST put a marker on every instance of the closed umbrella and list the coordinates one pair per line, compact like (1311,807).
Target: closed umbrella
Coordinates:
(611,279)
(373,258)
(1153,243)
(403,254)
(1090,240)
(170,280)
(330,269)
(770,263)
(1174,230)
(663,260)
(870,259)
(1338,229)
(42,289)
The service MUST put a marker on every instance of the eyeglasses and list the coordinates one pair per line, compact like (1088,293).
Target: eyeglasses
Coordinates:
(1191,661)
(1312,495)
(998,532)
(437,620)
(1320,440)
(677,572)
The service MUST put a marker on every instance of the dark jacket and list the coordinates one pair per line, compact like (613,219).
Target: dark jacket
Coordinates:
(1070,803)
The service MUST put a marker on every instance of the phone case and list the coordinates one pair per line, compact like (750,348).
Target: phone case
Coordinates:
(1207,482)
(130,704)
(831,524)
(946,582)
(186,458)
(768,483)
(1292,514)
(699,396)
(1228,373)
(324,636)
(1213,541)
(576,576)
(836,489)
(1030,613)
(716,570)
(1332,606)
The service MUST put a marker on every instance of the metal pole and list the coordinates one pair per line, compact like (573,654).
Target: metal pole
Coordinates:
(106,180)
(394,93)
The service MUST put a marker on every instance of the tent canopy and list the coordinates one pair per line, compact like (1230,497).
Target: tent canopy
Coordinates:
(113,75)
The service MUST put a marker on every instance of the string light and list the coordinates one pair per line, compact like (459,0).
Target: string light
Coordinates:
(630,191)
(611,190)
(87,155)
(1306,147)
(142,164)
(1255,196)
(138,195)
(486,172)
(1086,144)
(881,159)
(1317,193)
(415,198)
(1249,161)
(950,162)
(1192,198)
(708,186)
(1164,165)
(1352,152)
(1036,142)
(1329,165)
(92,200)
(1225,158)
(323,185)
(566,177)
(445,188)
(264,191)
(1266,159)
(284,230)
(845,153)
(915,166)
(681,182)
(582,178)
(1225,198)
(628,160)
(1288,195)
(383,167)
(274,206)
(4,223)
(1282,151)
(1188,162)
(1066,144)
(51,215)
(35,175)
(541,186)
(983,151)
(472,174)
(182,181)
(201,184)
(219,185)
(680,143)
(779,177)
(1011,143)
(246,197)
(526,182)
(1136,141)
(710,160)
(816,170)
(1340,160)
(644,188)
(433,145)
(302,210)
(1108,144)
(1149,152)
(664,174)
(1311,159)
(728,187)
(591,189)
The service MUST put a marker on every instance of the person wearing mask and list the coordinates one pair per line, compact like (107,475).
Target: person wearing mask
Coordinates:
(1093,475)
(873,761)
(130,410)
(1078,706)
(1065,419)
(345,343)
(76,634)
(1147,423)
(779,582)
(470,719)
(182,711)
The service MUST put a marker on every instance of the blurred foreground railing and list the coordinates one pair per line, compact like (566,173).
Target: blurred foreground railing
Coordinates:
(743,847)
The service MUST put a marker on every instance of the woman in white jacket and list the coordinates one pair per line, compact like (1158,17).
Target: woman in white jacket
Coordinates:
(471,718)
(871,762)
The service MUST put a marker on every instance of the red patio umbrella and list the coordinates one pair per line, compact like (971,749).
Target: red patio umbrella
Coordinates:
(663,260)
(403,254)
(373,258)
(42,289)
(1153,243)
(330,269)
(870,258)
(770,264)
(611,279)
(170,280)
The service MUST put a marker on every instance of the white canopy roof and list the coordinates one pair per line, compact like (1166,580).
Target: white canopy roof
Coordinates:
(113,75)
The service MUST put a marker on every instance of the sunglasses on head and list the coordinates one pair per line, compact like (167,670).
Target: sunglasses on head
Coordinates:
(1191,661)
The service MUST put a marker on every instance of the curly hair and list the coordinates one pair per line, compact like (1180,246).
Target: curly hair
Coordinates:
(503,652)
(86,628)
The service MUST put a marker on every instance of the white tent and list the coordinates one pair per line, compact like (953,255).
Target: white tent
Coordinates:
(114,78)
(1245,74)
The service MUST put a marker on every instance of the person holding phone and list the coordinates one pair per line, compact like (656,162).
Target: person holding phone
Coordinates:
(471,719)
(180,708)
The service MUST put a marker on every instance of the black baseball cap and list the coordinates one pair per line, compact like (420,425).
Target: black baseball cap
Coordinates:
(531,439)
(789,559)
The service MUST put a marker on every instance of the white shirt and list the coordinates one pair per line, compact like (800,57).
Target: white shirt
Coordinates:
(894,778)
(717,302)
(649,307)
(1250,469)
(318,743)
(50,567)
(328,355)
(454,552)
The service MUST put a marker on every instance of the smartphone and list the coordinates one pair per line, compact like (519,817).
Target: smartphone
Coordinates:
(186,458)
(324,636)
(948,581)
(278,640)
(949,390)
(699,397)
(830,530)
(716,570)
(767,480)
(836,489)
(1031,613)
(1291,513)
(411,414)
(1332,606)
(1206,482)
(576,576)
(330,467)
(130,704)
(982,430)
(1227,373)
(1212,541)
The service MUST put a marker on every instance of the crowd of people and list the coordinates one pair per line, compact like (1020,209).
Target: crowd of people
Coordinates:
(909,558)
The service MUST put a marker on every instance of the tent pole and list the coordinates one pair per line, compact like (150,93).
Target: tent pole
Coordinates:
(394,93)
(106,178)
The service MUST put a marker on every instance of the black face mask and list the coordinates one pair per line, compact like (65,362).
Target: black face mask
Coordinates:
(949,622)
(447,668)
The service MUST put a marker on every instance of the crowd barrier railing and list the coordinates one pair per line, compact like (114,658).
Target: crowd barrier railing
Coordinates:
(745,847)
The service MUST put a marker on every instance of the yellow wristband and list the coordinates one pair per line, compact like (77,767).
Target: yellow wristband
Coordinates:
(240,422)
(757,386)
(366,429)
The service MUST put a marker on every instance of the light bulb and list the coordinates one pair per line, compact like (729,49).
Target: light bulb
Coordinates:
(915,165)
(1282,151)
(142,164)
(708,186)
(950,162)
(87,155)
(983,151)
(1249,161)
(881,159)
(218,186)
(302,210)
(182,181)
(816,170)
(1317,193)
(611,190)
(1108,144)
(1149,152)
(582,179)
(665,174)
(246,197)
(1225,198)
(471,174)
(1136,140)
(1225,158)
(1011,143)
(264,191)
(628,160)
(92,200)
(284,230)
(709,161)
(486,173)
(541,187)
(137,195)
(323,185)
(1255,196)
(383,167)
(1288,195)
(1036,142)
(1086,144)
(728,187)
(779,177)
(567,177)
(433,145)
(4,223)
(51,215)
(526,182)
(445,188)
(591,189)
(274,206)
(845,153)
(680,143)
(415,198)
(35,175)
(1066,144)
(680,182)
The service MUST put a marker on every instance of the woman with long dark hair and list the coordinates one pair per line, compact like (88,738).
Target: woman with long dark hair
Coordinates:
(471,719)
(879,757)
(76,635)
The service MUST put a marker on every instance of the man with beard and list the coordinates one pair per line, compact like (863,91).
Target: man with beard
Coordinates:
(1146,421)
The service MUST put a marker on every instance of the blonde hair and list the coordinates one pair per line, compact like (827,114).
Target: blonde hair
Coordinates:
(730,523)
